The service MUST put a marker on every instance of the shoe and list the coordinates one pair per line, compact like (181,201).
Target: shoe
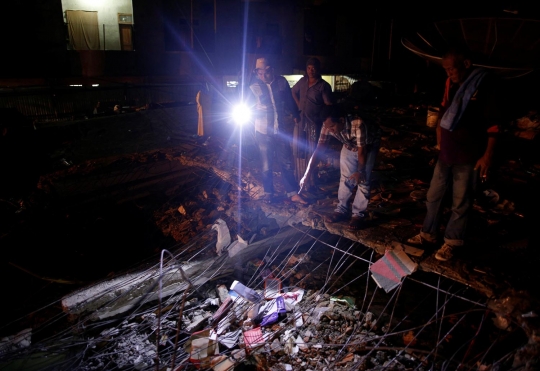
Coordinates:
(444,253)
(335,217)
(419,240)
(356,223)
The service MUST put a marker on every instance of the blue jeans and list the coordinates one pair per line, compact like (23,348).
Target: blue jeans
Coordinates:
(462,179)
(348,164)
(277,145)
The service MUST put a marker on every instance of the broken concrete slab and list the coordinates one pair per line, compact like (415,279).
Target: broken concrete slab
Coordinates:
(123,293)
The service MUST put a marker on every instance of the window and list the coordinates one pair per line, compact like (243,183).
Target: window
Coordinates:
(124,18)
(125,25)
(83,29)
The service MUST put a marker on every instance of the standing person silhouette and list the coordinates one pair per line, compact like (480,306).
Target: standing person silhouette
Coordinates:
(469,121)
(311,94)
(273,102)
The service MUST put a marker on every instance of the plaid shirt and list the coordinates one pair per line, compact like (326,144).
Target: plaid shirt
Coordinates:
(356,134)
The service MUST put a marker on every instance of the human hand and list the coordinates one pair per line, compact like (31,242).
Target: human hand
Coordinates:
(353,180)
(302,181)
(358,176)
(482,166)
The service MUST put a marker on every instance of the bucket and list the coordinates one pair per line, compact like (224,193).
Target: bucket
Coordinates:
(432,116)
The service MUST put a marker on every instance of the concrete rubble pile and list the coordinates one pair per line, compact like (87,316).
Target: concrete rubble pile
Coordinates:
(272,329)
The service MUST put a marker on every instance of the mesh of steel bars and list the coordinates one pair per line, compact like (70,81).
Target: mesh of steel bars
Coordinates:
(437,323)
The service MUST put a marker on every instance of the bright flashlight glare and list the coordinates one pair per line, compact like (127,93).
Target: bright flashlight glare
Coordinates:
(241,114)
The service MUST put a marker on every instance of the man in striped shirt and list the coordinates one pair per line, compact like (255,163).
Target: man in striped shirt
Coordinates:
(361,141)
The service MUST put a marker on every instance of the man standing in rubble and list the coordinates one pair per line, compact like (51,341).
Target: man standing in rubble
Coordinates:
(467,130)
(361,140)
(311,94)
(274,102)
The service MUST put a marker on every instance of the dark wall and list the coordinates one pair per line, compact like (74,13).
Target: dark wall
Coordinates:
(32,32)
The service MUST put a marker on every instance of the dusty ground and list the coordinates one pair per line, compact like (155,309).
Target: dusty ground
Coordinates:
(112,189)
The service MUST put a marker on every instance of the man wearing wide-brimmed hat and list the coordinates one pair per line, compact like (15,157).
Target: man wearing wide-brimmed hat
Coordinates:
(274,102)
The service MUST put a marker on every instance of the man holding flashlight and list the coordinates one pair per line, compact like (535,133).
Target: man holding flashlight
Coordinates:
(311,93)
(469,122)
(275,110)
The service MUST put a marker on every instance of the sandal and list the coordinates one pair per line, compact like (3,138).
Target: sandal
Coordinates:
(335,217)
(356,223)
(420,240)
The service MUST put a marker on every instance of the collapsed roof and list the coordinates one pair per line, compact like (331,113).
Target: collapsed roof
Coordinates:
(509,46)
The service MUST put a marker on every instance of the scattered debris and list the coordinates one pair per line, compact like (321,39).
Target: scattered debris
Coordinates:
(297,318)
(12,343)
